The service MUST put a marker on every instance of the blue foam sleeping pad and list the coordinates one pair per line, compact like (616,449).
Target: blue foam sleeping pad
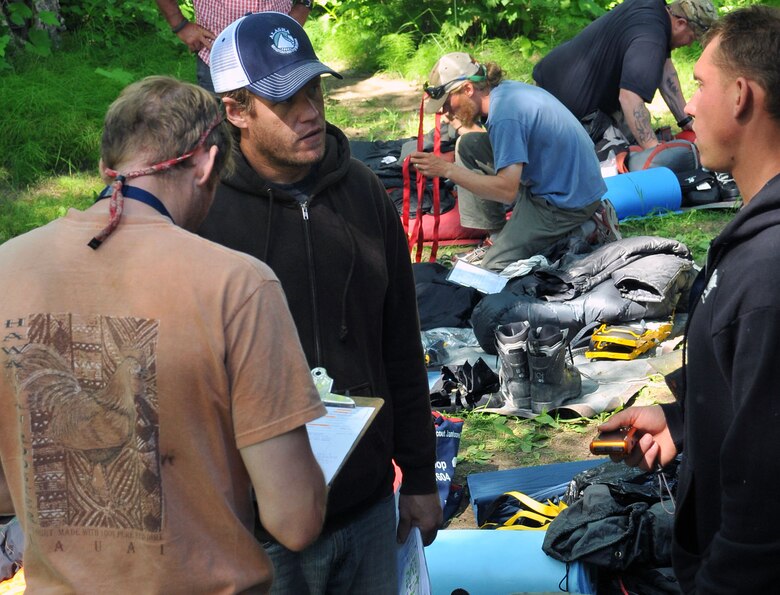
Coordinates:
(644,192)
(498,563)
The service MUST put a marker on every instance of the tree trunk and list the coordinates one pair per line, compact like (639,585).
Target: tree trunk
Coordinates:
(53,30)
(19,31)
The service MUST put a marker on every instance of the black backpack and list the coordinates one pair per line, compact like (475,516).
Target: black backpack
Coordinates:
(699,187)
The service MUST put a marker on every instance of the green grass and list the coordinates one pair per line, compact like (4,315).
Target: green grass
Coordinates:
(382,124)
(53,116)
(53,107)
(38,205)
(695,229)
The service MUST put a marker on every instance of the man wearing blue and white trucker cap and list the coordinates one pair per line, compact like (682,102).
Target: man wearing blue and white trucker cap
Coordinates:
(264,55)
(325,225)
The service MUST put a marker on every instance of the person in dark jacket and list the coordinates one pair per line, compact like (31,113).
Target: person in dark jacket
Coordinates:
(727,530)
(614,66)
(327,228)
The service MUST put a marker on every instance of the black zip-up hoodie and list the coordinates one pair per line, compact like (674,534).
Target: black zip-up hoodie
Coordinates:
(727,528)
(344,264)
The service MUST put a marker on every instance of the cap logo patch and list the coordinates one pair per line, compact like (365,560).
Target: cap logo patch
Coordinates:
(283,41)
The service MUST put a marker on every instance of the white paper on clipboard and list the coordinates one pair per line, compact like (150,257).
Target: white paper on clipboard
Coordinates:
(334,435)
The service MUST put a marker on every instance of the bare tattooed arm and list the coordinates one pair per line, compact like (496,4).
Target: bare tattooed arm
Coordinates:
(638,118)
(671,91)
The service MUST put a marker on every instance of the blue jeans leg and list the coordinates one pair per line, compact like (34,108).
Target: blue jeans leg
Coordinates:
(359,558)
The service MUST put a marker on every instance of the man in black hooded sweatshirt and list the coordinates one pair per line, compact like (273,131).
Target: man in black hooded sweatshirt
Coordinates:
(327,228)
(727,528)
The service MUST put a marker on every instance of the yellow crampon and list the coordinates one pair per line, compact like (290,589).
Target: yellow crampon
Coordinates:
(626,341)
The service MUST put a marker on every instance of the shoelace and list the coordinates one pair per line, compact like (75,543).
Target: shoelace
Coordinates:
(663,486)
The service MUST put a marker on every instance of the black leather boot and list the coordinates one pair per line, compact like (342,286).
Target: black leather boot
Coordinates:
(553,379)
(513,373)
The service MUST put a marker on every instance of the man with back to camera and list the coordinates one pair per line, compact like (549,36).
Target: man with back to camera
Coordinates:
(142,400)
(727,535)
(608,72)
(534,156)
(212,16)
(327,228)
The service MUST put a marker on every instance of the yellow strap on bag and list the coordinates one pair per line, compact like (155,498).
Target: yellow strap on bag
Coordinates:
(531,515)
(519,522)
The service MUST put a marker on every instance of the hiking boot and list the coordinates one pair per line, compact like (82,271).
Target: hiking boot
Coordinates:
(553,379)
(727,185)
(474,256)
(607,226)
(513,372)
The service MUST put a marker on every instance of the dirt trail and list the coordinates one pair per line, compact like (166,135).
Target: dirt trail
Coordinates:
(361,94)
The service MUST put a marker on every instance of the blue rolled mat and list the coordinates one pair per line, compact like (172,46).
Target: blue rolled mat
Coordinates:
(499,562)
(640,193)
(539,482)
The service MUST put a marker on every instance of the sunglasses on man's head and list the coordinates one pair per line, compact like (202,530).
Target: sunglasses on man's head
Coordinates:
(439,91)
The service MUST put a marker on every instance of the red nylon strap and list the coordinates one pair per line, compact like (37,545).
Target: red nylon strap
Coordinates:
(407,195)
(621,160)
(418,234)
(660,147)
(436,191)
(117,201)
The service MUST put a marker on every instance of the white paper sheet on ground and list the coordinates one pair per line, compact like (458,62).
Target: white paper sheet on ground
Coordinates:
(483,280)
(412,570)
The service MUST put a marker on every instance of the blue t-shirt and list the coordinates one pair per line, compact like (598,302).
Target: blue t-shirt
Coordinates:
(528,125)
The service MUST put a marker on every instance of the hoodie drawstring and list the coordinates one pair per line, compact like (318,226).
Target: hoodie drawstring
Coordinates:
(267,249)
(352,258)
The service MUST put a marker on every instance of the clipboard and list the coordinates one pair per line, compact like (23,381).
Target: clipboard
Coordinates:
(334,436)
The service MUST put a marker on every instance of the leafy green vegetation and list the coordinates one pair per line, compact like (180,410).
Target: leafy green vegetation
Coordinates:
(485,433)
(438,26)
(53,107)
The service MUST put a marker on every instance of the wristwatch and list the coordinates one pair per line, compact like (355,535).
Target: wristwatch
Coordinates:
(685,121)
(307,3)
